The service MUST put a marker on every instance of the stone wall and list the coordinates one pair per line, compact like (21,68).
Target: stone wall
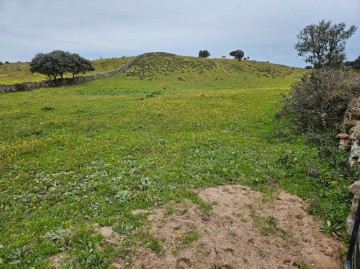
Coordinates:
(350,141)
(25,86)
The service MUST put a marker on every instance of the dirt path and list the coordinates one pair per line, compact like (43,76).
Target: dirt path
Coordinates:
(241,231)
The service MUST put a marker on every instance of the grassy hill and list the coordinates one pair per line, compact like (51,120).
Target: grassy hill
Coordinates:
(20,72)
(86,155)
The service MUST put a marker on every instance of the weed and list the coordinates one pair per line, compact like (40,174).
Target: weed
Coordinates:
(47,108)
(190,237)
(266,225)
(304,265)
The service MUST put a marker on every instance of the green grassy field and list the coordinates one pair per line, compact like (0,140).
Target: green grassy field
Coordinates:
(73,157)
(20,72)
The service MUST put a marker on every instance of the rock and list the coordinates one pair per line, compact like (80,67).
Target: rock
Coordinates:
(354,206)
(354,161)
(357,132)
(205,217)
(355,150)
(355,188)
(350,224)
(287,261)
(342,136)
(351,130)
(348,124)
(329,252)
(345,142)
(344,147)
(354,158)
(250,240)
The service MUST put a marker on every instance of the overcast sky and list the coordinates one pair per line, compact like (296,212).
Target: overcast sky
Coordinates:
(264,29)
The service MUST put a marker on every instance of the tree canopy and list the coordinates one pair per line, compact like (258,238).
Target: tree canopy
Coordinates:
(204,53)
(237,54)
(56,63)
(324,44)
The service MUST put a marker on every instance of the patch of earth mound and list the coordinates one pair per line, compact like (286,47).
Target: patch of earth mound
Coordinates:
(240,231)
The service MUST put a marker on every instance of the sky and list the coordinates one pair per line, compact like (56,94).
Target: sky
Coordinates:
(265,30)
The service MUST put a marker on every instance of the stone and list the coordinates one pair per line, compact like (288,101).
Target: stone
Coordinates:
(342,136)
(346,142)
(344,147)
(350,224)
(328,251)
(357,132)
(351,130)
(354,161)
(355,150)
(348,124)
(355,188)
(354,205)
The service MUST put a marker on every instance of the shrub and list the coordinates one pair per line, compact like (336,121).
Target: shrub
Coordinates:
(320,99)
(1,63)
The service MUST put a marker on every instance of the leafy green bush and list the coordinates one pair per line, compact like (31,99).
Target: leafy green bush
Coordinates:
(320,99)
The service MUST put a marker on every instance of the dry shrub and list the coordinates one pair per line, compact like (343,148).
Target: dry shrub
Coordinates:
(320,99)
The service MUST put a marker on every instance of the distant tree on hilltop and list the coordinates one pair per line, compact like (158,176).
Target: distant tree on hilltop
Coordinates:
(204,53)
(56,63)
(357,63)
(324,44)
(237,54)
(354,64)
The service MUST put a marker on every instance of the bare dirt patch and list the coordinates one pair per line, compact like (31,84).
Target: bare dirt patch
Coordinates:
(109,236)
(241,231)
(57,259)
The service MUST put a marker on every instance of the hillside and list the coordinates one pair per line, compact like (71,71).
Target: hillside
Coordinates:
(80,158)
(165,67)
(20,72)
(189,72)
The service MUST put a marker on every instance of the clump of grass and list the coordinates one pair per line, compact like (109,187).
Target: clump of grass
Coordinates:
(265,225)
(183,240)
